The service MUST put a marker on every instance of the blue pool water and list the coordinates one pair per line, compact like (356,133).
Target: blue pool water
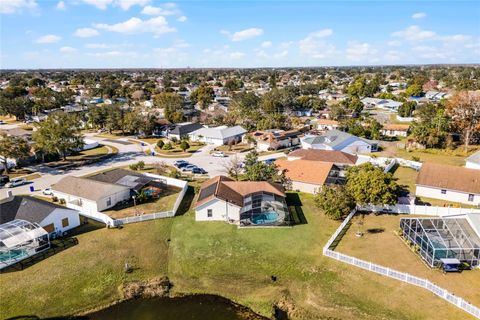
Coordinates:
(264,218)
(15,254)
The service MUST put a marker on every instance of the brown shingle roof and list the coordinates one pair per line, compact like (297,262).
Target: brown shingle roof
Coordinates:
(307,171)
(224,188)
(87,188)
(449,177)
(396,127)
(338,157)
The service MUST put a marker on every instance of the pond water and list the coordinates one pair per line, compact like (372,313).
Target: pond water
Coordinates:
(194,307)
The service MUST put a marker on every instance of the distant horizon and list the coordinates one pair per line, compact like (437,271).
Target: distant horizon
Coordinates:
(106,34)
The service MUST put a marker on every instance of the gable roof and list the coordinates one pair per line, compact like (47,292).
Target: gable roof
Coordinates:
(335,138)
(449,177)
(26,208)
(87,188)
(474,158)
(231,191)
(221,132)
(396,127)
(307,171)
(185,128)
(332,156)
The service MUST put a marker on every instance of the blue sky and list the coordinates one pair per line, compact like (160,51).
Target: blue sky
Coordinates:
(149,33)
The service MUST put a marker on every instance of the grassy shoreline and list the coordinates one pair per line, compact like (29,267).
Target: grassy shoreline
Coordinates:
(216,258)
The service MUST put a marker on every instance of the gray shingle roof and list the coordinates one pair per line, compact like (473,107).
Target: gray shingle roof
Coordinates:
(26,208)
(87,188)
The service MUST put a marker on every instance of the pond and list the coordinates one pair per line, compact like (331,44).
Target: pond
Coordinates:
(193,307)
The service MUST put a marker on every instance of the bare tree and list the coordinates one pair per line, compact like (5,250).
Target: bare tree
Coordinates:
(233,167)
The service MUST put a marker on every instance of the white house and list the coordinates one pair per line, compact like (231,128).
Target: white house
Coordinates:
(89,196)
(241,202)
(275,139)
(473,162)
(449,183)
(395,130)
(339,141)
(387,104)
(218,135)
(51,217)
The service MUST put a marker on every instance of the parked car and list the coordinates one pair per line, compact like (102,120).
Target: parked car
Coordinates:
(16,182)
(198,171)
(218,154)
(4,180)
(190,167)
(269,161)
(178,162)
(183,165)
(47,191)
(2,122)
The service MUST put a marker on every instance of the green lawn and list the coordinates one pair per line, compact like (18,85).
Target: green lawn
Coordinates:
(214,257)
(177,152)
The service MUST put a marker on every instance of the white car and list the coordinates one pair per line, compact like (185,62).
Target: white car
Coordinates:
(16,182)
(47,191)
(218,154)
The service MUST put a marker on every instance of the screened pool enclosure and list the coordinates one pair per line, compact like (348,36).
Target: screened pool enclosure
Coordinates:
(263,208)
(20,239)
(438,238)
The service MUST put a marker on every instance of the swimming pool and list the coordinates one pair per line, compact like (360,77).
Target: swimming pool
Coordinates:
(265,217)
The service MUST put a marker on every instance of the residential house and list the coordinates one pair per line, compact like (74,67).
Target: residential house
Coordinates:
(181,130)
(303,112)
(275,139)
(449,183)
(339,158)
(473,162)
(339,141)
(387,104)
(435,95)
(218,135)
(52,217)
(309,176)
(327,124)
(395,130)
(248,203)
(90,196)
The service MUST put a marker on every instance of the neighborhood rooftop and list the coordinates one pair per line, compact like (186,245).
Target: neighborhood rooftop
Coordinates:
(25,208)
(87,188)
(449,177)
(332,156)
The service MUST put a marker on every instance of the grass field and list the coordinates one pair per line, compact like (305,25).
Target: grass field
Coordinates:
(177,152)
(397,255)
(214,257)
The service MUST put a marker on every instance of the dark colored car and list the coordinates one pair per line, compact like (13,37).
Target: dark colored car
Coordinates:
(198,171)
(183,165)
(4,180)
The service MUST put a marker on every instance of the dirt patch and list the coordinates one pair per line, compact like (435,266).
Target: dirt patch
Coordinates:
(157,287)
(284,309)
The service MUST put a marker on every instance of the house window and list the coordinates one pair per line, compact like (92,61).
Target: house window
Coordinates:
(209,213)
(65,222)
(444,191)
(470,197)
(109,202)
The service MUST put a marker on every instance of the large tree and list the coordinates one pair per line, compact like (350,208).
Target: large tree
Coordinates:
(203,95)
(335,201)
(14,148)
(171,102)
(258,170)
(464,109)
(368,184)
(60,134)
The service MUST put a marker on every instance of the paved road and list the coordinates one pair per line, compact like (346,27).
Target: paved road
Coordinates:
(127,154)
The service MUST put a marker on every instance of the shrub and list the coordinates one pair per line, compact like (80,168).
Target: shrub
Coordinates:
(184,145)
(167,146)
(54,199)
(133,167)
(62,201)
(160,144)
(140,165)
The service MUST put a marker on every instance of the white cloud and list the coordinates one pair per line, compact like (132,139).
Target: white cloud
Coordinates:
(394,43)
(164,10)
(86,32)
(392,55)
(456,38)
(157,26)
(357,51)
(97,46)
(126,4)
(244,34)
(281,54)
(419,15)
(60,5)
(113,54)
(414,33)
(266,44)
(13,6)
(429,52)
(261,54)
(67,50)
(315,46)
(237,55)
(286,45)
(49,38)
(182,19)
(180,43)
(100,4)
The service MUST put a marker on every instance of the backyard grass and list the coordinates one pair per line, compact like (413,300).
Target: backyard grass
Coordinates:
(454,157)
(240,147)
(164,203)
(380,244)
(214,257)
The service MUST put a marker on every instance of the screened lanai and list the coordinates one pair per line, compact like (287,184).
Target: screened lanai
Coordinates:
(440,238)
(263,208)
(20,239)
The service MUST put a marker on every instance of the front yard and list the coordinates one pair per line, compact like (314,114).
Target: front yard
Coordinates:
(240,147)
(380,244)
(176,151)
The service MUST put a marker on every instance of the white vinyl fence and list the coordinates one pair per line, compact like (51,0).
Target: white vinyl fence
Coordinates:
(391,273)
(144,217)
